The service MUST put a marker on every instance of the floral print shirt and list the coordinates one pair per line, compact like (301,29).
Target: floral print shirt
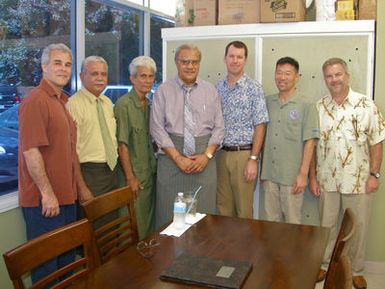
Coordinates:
(346,133)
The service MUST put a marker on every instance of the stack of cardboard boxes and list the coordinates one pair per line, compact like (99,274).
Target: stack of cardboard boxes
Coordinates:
(213,12)
(220,12)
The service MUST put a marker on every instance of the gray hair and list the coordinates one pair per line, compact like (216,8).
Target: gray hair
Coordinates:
(92,58)
(334,61)
(144,61)
(187,47)
(54,46)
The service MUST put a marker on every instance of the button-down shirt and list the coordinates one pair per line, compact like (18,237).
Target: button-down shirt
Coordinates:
(167,112)
(243,109)
(45,123)
(133,130)
(291,124)
(82,107)
(346,133)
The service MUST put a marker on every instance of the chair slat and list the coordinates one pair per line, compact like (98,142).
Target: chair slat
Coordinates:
(115,236)
(33,253)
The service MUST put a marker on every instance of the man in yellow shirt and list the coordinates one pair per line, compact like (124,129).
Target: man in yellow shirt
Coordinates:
(96,127)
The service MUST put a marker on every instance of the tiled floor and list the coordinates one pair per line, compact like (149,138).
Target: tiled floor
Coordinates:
(375,281)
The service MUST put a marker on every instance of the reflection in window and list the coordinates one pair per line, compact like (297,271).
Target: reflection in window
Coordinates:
(157,23)
(26,27)
(114,34)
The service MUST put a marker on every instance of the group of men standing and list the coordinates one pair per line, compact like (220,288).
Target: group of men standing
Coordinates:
(69,148)
(208,137)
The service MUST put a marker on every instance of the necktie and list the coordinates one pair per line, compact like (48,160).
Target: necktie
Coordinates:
(111,154)
(189,140)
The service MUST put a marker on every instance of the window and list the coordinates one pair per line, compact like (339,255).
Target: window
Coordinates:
(113,30)
(113,33)
(157,23)
(22,40)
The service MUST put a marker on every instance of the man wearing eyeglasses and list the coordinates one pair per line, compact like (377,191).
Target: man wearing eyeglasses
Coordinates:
(187,124)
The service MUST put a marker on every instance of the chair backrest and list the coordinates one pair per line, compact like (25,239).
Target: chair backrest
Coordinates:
(41,249)
(343,274)
(345,234)
(118,234)
(344,279)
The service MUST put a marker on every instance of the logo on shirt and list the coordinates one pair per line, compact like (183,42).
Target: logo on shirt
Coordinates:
(294,114)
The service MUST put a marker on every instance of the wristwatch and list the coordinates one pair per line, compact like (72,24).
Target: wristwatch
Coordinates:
(376,175)
(209,155)
(254,158)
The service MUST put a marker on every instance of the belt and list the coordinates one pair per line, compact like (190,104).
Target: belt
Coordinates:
(245,147)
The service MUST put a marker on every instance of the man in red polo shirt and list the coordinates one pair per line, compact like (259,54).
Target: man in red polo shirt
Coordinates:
(49,179)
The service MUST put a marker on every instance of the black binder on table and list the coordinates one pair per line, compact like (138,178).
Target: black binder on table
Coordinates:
(206,271)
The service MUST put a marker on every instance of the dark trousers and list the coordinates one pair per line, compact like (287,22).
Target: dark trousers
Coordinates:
(100,180)
(37,224)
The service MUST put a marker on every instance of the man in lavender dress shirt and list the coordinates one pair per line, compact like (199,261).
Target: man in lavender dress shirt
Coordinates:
(178,172)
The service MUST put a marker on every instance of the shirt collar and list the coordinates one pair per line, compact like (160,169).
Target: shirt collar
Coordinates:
(44,84)
(350,99)
(240,82)
(183,85)
(292,99)
(135,98)
(91,97)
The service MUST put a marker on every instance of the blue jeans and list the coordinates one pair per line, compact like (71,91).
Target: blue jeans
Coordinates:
(37,224)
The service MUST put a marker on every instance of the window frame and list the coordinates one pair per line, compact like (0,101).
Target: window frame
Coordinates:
(10,200)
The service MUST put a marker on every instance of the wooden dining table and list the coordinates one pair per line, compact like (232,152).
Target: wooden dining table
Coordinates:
(283,256)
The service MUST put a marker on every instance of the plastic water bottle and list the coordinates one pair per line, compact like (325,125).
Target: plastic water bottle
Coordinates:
(179,211)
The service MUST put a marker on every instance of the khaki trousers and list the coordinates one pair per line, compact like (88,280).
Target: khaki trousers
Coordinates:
(235,196)
(281,204)
(331,204)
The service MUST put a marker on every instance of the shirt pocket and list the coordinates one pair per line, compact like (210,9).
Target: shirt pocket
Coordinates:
(293,128)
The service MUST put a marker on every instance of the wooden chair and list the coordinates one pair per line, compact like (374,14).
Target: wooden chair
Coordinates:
(343,274)
(35,252)
(346,232)
(115,236)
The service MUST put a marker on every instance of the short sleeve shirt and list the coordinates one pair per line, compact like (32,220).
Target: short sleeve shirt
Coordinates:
(347,132)
(243,109)
(133,130)
(45,123)
(291,124)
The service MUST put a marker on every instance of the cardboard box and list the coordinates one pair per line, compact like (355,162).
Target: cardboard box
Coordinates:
(184,13)
(282,10)
(205,12)
(345,5)
(196,13)
(345,15)
(238,11)
(367,9)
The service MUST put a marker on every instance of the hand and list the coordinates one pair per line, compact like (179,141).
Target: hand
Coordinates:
(135,185)
(314,186)
(300,183)
(85,195)
(200,163)
(251,171)
(371,185)
(50,205)
(185,164)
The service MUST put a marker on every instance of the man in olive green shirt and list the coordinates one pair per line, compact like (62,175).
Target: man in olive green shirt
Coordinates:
(136,153)
(289,145)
